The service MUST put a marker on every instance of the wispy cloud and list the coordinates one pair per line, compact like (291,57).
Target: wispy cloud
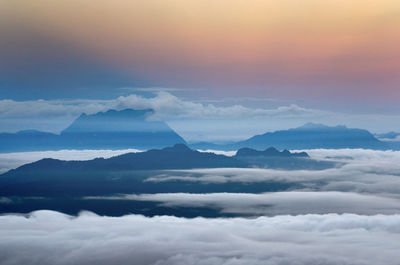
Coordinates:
(194,120)
(165,104)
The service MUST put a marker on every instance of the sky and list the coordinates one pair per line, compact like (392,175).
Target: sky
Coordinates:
(220,71)
(214,70)
(335,56)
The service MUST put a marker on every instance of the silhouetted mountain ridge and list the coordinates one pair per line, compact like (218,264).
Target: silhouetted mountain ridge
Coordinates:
(269,152)
(177,157)
(308,136)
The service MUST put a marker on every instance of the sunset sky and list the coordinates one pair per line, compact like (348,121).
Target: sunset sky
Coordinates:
(331,55)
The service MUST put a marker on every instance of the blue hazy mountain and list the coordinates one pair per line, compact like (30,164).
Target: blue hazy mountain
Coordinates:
(269,152)
(308,136)
(29,140)
(273,158)
(119,130)
(104,130)
(388,136)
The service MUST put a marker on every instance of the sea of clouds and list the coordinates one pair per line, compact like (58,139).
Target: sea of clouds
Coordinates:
(339,216)
(363,171)
(51,238)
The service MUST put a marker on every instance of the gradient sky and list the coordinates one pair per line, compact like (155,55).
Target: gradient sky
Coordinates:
(324,54)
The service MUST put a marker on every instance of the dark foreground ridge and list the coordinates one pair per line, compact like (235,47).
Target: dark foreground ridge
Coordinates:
(177,157)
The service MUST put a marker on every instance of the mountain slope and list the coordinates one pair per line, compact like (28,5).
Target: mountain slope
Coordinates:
(272,158)
(177,157)
(309,136)
(118,130)
(315,136)
(104,130)
(29,140)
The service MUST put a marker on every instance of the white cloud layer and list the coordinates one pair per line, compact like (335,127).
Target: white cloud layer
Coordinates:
(275,203)
(165,104)
(51,238)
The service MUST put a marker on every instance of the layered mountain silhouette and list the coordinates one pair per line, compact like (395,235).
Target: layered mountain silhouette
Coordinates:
(104,130)
(65,185)
(269,152)
(134,129)
(177,157)
(273,158)
(309,136)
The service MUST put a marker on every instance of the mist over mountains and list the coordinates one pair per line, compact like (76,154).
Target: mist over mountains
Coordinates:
(308,136)
(104,130)
(135,129)
(161,169)
(199,132)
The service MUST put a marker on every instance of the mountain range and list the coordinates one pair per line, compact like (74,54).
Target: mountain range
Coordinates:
(177,157)
(64,185)
(129,128)
(308,136)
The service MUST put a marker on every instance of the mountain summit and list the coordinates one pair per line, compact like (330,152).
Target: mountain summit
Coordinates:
(308,136)
(120,129)
(127,120)
(313,135)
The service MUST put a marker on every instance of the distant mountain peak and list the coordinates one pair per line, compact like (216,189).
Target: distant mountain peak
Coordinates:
(120,129)
(319,126)
(111,129)
(178,148)
(269,152)
(127,120)
(125,113)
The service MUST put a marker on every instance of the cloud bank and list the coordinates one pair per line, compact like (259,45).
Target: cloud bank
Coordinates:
(47,237)
(275,203)
(165,104)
